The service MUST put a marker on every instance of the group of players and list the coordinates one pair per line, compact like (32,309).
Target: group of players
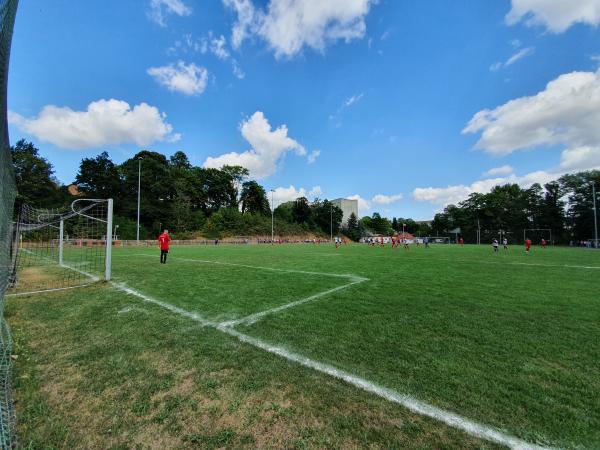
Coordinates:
(528,243)
(164,241)
(396,242)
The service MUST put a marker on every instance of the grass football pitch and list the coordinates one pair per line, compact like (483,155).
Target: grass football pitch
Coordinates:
(308,346)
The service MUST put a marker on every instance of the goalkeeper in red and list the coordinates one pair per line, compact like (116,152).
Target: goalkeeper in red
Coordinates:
(163,243)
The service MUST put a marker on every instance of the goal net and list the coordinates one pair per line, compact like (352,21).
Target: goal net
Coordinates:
(61,249)
(8,9)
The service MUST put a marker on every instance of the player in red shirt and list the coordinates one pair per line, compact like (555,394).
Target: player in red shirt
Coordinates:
(527,245)
(163,243)
(543,243)
(461,241)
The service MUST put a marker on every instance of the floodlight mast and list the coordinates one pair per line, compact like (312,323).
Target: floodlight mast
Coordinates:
(137,233)
(595,218)
(272,212)
(331,222)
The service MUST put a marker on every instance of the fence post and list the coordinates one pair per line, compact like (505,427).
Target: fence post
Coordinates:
(61,242)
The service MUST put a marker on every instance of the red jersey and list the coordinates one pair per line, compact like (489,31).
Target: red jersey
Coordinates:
(527,243)
(163,241)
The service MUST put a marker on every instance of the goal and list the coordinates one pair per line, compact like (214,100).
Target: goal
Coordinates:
(62,249)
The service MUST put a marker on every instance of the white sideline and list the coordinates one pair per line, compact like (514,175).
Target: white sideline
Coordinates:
(507,263)
(48,290)
(449,418)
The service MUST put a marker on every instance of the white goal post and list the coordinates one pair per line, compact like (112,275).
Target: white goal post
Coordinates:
(62,248)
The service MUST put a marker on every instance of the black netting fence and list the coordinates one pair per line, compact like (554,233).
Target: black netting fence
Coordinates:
(8,192)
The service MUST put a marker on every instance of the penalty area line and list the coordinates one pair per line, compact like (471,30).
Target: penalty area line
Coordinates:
(253,318)
(414,405)
(272,269)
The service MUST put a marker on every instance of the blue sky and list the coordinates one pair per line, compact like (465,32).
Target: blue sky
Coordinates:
(405,105)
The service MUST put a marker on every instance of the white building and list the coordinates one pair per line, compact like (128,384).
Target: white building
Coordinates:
(347,206)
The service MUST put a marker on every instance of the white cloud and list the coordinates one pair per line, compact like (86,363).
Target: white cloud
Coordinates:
(159,9)
(189,79)
(580,158)
(496,171)
(237,70)
(288,26)
(524,52)
(268,147)
(496,66)
(363,205)
(208,43)
(556,15)
(347,103)
(218,47)
(312,157)
(288,194)
(382,199)
(456,193)
(104,122)
(352,100)
(315,191)
(566,112)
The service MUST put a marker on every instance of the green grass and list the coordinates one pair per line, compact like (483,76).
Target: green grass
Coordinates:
(510,340)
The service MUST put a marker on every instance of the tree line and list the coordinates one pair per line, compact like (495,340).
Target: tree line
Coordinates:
(191,200)
(175,194)
(564,206)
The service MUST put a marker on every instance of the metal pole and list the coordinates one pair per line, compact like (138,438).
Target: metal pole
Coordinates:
(331,223)
(109,227)
(272,212)
(61,242)
(137,234)
(595,218)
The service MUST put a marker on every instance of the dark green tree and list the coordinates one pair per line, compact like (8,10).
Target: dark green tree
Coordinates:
(326,216)
(301,211)
(34,177)
(352,228)
(254,198)
(99,177)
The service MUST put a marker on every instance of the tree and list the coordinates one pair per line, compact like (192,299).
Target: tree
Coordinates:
(157,193)
(352,228)
(254,198)
(99,177)
(578,189)
(238,174)
(301,211)
(326,216)
(380,225)
(180,160)
(35,183)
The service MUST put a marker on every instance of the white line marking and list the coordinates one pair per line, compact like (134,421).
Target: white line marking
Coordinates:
(48,290)
(174,309)
(253,318)
(89,275)
(501,263)
(449,418)
(273,269)
(129,309)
